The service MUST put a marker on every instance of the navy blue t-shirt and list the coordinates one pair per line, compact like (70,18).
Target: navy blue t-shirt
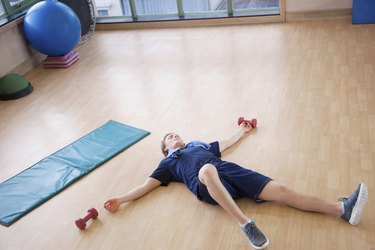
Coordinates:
(184,165)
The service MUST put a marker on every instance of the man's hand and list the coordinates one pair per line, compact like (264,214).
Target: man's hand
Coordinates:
(112,205)
(245,127)
(252,122)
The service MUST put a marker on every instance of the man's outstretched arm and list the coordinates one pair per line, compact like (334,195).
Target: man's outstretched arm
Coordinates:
(243,128)
(150,184)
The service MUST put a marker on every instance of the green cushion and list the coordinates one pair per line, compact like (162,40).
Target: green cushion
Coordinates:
(14,86)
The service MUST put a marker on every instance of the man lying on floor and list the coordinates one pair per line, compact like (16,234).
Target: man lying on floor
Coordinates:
(199,167)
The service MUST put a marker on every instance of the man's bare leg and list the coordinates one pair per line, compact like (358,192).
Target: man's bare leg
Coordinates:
(275,191)
(209,176)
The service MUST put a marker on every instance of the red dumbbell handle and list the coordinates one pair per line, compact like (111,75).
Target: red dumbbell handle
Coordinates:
(92,213)
(87,217)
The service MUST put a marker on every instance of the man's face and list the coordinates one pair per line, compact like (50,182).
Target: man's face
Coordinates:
(173,141)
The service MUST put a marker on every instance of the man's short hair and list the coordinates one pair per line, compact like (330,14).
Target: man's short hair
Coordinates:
(162,145)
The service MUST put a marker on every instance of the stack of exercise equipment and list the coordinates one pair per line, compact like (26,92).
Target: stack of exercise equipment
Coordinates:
(54,29)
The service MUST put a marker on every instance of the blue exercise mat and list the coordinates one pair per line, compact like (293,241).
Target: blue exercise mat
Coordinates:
(40,182)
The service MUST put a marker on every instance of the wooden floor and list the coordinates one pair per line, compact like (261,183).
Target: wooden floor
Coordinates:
(310,84)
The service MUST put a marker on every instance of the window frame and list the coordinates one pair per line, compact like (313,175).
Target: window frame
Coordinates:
(11,13)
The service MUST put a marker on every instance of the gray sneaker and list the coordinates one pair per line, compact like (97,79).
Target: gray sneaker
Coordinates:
(354,204)
(256,237)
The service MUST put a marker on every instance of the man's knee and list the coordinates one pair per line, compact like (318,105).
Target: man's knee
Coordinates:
(280,187)
(284,189)
(207,172)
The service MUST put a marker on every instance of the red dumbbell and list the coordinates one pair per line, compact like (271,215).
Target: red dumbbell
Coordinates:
(92,214)
(253,122)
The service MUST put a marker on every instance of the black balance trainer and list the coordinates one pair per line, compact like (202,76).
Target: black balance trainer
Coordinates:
(14,86)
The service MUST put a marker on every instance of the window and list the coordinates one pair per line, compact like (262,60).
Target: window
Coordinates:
(1,9)
(150,10)
(201,8)
(15,2)
(112,8)
(204,6)
(256,7)
(102,12)
(152,7)
(103,7)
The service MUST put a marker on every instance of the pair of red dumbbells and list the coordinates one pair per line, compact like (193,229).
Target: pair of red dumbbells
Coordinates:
(252,122)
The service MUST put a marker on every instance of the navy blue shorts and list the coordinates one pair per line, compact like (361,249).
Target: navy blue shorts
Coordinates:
(240,182)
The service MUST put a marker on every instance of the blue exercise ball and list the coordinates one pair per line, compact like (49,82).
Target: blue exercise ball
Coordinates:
(52,28)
